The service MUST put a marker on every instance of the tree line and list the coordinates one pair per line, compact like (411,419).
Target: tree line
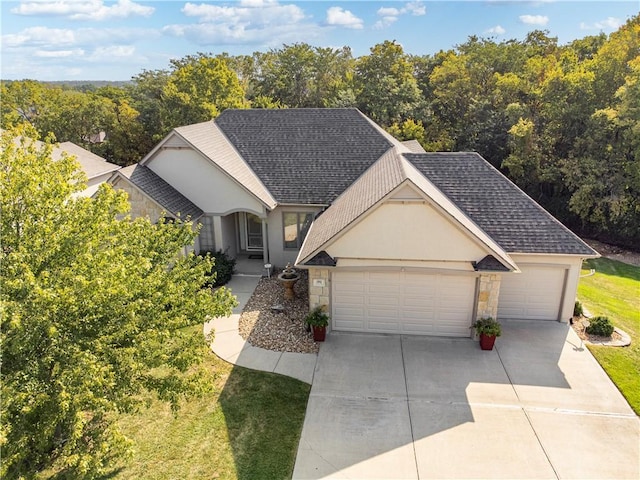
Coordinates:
(561,121)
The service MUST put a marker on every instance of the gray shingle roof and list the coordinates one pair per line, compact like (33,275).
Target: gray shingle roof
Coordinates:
(304,156)
(168,197)
(496,205)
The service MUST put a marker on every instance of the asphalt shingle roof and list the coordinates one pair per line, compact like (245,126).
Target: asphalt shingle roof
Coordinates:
(168,197)
(304,156)
(496,205)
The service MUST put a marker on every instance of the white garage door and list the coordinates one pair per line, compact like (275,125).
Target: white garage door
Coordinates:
(534,294)
(403,302)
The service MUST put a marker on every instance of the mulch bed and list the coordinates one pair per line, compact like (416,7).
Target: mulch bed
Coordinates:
(580,329)
(283,331)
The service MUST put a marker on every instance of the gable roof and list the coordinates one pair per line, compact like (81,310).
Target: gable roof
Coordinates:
(497,205)
(211,142)
(92,165)
(389,173)
(160,191)
(304,156)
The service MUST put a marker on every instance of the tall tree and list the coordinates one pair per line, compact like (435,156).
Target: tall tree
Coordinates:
(198,89)
(96,310)
(386,89)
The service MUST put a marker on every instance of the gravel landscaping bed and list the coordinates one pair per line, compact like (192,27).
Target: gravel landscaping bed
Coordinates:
(283,331)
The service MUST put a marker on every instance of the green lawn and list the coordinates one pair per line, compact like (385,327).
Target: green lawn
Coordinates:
(248,428)
(614,291)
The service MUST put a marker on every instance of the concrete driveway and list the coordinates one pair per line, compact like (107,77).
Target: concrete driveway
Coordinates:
(538,406)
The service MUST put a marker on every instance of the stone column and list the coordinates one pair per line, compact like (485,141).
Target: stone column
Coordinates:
(319,290)
(488,294)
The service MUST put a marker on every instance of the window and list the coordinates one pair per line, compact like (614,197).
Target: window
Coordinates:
(295,225)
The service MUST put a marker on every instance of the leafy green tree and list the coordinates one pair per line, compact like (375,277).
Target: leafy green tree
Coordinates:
(21,102)
(96,312)
(386,88)
(300,75)
(198,89)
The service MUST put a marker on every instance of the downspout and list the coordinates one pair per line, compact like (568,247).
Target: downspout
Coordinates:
(265,241)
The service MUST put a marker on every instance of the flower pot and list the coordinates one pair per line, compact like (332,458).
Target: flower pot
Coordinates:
(319,333)
(487,341)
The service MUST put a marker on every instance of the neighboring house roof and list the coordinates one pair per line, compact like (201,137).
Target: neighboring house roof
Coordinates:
(496,205)
(304,156)
(92,165)
(390,172)
(414,146)
(160,191)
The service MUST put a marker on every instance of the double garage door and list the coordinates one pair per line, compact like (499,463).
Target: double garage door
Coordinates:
(403,302)
(534,294)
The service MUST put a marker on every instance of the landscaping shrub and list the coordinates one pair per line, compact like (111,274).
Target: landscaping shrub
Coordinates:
(577,309)
(600,326)
(223,268)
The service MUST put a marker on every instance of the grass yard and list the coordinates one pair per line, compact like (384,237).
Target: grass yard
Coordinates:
(614,291)
(248,428)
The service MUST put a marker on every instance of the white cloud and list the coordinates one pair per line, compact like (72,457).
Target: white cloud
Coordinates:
(78,52)
(534,19)
(388,11)
(248,21)
(497,30)
(255,12)
(83,9)
(337,16)
(52,38)
(204,34)
(610,23)
(113,51)
(40,36)
(390,15)
(416,8)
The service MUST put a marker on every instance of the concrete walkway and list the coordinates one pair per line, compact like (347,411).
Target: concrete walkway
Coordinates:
(231,347)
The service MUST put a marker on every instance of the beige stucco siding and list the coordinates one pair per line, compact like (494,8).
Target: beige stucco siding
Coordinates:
(407,231)
(571,264)
(203,183)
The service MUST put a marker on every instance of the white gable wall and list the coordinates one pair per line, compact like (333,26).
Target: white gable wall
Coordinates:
(409,231)
(202,182)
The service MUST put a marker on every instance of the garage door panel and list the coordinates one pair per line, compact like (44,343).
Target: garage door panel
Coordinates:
(402,302)
(534,294)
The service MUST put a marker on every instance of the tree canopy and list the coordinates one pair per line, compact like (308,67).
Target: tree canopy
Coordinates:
(96,310)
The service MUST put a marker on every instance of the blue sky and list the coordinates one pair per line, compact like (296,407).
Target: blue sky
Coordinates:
(115,40)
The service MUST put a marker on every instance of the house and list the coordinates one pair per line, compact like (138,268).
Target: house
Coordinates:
(396,240)
(96,168)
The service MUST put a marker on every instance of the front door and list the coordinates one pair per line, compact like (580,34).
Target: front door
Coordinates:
(254,232)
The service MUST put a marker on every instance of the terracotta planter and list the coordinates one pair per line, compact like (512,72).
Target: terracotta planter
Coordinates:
(319,334)
(486,341)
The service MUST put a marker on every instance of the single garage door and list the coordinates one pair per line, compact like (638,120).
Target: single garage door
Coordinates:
(403,302)
(534,294)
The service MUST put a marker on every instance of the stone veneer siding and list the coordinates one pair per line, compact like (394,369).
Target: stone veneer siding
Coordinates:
(319,296)
(141,205)
(488,294)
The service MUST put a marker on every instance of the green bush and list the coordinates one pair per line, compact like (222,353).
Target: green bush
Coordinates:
(223,268)
(317,318)
(577,309)
(487,326)
(600,326)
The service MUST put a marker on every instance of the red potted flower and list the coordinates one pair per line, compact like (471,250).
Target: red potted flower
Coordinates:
(488,329)
(318,320)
